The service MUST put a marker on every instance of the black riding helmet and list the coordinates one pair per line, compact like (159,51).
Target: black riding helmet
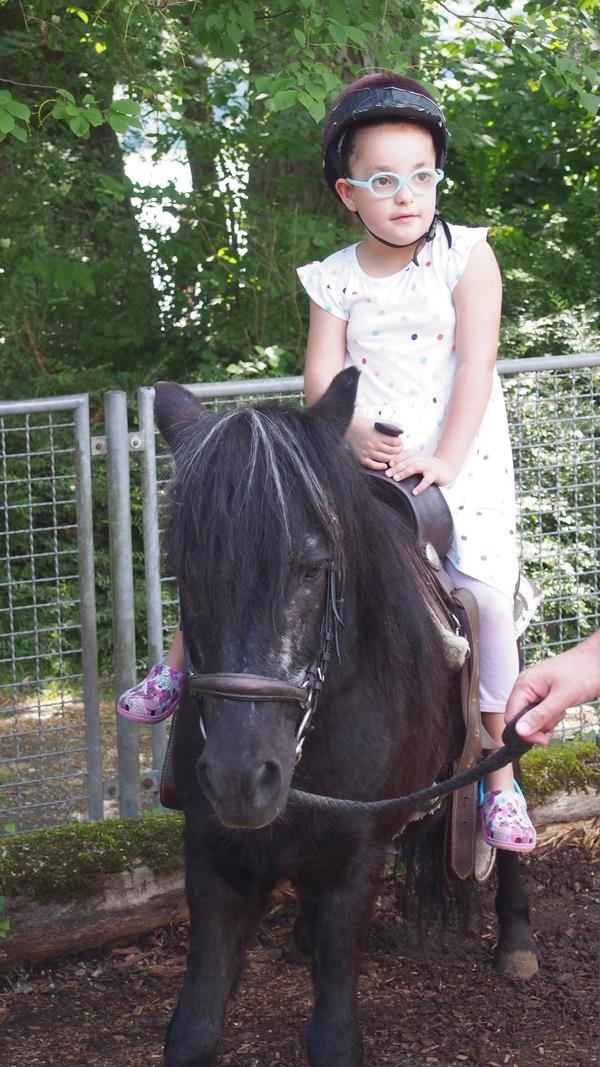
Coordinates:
(375,98)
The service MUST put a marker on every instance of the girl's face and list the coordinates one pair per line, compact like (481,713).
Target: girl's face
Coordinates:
(400,148)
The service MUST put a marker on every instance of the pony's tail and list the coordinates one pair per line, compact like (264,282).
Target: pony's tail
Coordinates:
(430,905)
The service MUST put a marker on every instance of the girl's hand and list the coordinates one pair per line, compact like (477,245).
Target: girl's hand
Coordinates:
(432,468)
(375,450)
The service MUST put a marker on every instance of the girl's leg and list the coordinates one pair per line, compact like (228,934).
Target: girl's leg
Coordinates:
(175,657)
(506,822)
(156,697)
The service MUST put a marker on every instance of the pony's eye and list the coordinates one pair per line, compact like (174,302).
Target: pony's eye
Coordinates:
(311,573)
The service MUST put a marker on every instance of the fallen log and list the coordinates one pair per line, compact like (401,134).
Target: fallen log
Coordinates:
(132,903)
(128,904)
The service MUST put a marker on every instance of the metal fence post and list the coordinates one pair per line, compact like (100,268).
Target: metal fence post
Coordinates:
(152,552)
(121,563)
(87,592)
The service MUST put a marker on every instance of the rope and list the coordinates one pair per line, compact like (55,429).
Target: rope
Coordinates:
(512,749)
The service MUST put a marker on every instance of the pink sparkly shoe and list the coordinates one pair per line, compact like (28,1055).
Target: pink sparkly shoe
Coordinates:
(155,698)
(504,819)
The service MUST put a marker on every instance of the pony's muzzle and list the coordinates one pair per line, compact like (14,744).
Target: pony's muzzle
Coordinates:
(244,798)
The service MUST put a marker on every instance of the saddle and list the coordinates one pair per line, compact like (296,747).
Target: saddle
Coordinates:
(455,610)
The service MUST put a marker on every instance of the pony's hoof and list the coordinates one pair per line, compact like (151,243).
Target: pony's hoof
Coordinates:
(520,965)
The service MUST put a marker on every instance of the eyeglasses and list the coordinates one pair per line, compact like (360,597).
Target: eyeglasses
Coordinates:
(385,183)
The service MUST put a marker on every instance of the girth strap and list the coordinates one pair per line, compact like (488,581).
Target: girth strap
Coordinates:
(462,825)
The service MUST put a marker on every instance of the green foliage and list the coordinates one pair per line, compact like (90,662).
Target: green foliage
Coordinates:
(95,294)
(68,861)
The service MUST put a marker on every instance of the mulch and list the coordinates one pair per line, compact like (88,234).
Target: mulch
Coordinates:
(434,1005)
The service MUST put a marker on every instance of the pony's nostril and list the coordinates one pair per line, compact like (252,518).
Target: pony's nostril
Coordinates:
(270,777)
(265,782)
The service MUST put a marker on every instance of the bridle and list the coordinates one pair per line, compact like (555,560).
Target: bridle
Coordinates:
(255,687)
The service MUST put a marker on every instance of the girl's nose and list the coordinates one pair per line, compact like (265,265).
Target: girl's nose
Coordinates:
(404,195)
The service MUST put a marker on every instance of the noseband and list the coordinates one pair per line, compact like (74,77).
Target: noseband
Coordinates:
(255,687)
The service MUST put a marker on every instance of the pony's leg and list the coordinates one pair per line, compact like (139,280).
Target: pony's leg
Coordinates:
(222,921)
(339,926)
(516,954)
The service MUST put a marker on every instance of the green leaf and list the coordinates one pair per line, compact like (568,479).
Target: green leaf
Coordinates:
(590,101)
(317,110)
(79,126)
(234,32)
(16,108)
(66,94)
(263,83)
(300,37)
(7,122)
(59,111)
(83,15)
(94,116)
(89,98)
(337,33)
(356,35)
(20,133)
(283,99)
(119,123)
(125,107)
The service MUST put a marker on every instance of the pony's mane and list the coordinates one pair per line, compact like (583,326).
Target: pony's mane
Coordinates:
(249,484)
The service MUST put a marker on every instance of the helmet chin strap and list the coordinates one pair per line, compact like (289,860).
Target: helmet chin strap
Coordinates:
(427,236)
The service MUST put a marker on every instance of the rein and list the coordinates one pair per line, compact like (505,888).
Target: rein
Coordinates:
(512,749)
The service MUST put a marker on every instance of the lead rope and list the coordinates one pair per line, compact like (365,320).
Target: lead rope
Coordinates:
(512,749)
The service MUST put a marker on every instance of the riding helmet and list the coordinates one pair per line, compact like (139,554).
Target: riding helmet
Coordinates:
(375,97)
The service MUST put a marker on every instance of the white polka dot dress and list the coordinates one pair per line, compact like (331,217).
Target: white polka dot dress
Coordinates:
(401,336)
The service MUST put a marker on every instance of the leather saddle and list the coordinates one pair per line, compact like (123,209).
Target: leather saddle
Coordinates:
(429,517)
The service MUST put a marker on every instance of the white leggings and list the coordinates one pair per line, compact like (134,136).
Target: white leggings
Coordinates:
(498,653)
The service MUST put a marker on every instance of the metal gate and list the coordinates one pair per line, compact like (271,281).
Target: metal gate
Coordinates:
(50,732)
(50,762)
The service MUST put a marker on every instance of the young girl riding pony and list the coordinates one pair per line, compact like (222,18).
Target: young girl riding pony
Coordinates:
(415,306)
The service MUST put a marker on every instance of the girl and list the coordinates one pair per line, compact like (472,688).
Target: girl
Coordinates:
(415,306)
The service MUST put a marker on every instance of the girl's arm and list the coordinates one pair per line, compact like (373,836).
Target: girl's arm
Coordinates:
(325,357)
(325,351)
(477,299)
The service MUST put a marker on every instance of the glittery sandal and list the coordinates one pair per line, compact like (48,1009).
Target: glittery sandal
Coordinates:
(155,698)
(504,819)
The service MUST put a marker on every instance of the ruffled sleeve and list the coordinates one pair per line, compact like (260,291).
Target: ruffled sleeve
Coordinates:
(323,283)
(463,240)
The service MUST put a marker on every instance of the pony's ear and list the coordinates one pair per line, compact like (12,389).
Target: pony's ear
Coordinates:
(336,406)
(175,409)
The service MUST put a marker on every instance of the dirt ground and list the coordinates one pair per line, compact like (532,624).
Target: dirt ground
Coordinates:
(420,1007)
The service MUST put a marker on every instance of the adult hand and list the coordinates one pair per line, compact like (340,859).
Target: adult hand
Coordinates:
(411,461)
(375,450)
(553,686)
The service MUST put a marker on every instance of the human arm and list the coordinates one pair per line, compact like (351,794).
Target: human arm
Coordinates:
(477,299)
(325,357)
(553,686)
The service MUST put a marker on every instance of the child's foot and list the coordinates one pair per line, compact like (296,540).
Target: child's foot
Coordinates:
(155,698)
(504,819)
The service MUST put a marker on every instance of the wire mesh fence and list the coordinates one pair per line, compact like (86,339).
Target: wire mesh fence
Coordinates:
(50,737)
(49,770)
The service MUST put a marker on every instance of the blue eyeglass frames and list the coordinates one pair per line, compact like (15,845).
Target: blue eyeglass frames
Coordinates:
(386,183)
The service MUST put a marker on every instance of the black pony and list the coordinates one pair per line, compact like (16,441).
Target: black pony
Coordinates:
(264,500)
